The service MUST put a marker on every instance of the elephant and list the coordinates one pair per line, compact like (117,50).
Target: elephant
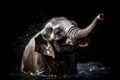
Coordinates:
(53,49)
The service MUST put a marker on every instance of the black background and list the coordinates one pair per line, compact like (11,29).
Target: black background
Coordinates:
(20,15)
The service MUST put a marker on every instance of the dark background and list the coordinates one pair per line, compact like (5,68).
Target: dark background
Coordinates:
(20,16)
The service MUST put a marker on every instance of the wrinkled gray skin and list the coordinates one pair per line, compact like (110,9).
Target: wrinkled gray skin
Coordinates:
(70,36)
(59,39)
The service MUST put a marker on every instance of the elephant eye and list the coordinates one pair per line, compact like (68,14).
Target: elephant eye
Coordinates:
(58,32)
(59,35)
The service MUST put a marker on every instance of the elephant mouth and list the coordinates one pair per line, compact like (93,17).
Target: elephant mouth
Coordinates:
(83,44)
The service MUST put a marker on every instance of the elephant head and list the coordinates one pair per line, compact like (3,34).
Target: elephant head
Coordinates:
(65,35)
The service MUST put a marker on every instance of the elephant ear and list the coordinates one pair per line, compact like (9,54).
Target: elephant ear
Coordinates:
(43,47)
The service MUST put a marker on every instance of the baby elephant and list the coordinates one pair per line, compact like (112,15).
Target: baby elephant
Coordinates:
(53,49)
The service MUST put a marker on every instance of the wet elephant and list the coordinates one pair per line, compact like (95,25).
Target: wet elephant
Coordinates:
(53,49)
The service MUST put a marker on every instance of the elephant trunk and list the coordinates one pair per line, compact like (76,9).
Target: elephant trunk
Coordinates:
(76,34)
(81,33)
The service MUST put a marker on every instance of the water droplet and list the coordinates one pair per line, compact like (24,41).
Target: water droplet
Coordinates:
(91,69)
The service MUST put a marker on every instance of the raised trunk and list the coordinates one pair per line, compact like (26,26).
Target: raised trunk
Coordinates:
(81,33)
